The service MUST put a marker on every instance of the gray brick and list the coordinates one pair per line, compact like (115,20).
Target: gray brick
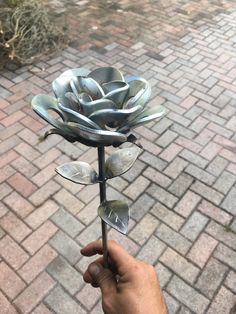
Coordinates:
(217,166)
(200,174)
(157,177)
(225,182)
(194,225)
(226,255)
(62,303)
(162,125)
(151,251)
(181,130)
(233,225)
(91,233)
(66,275)
(66,247)
(141,206)
(207,192)
(67,222)
(166,138)
(172,304)
(193,112)
(184,310)
(181,184)
(230,281)
(162,195)
(173,239)
(168,216)
(224,302)
(187,295)
(176,167)
(163,273)
(179,119)
(179,265)
(137,168)
(222,234)
(230,201)
(144,229)
(154,161)
(211,277)
(194,158)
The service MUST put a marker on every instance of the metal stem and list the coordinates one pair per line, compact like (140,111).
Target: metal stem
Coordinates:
(102,186)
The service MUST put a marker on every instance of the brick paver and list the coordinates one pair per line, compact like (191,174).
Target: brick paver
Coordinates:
(182,188)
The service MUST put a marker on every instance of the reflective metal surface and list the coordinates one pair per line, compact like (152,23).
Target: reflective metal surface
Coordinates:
(116,214)
(78,172)
(121,161)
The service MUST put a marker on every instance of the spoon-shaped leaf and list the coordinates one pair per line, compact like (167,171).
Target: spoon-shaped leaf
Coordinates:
(78,172)
(115,214)
(121,161)
(86,85)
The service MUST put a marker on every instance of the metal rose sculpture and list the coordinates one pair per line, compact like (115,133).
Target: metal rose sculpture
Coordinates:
(99,108)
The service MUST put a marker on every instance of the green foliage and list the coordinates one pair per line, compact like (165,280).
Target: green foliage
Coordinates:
(27,30)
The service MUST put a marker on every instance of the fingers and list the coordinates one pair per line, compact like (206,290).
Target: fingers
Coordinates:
(101,277)
(117,254)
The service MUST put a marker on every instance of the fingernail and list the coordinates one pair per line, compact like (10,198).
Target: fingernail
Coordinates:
(94,269)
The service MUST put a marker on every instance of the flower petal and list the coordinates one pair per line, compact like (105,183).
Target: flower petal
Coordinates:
(106,74)
(113,118)
(97,137)
(41,104)
(73,116)
(61,85)
(139,92)
(86,85)
(116,91)
(89,106)
(146,116)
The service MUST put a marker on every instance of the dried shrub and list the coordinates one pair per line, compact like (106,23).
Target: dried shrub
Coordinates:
(27,31)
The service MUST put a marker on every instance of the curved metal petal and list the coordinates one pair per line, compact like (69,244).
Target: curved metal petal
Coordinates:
(146,116)
(97,137)
(86,85)
(61,85)
(121,161)
(72,102)
(115,214)
(116,91)
(73,116)
(78,172)
(139,92)
(106,74)
(89,106)
(113,118)
(41,104)
(58,132)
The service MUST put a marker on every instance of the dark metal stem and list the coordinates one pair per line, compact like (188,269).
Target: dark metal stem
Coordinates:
(102,186)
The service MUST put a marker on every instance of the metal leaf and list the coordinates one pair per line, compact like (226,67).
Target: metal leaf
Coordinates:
(121,161)
(78,172)
(115,214)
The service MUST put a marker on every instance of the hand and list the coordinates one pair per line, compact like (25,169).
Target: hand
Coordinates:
(129,286)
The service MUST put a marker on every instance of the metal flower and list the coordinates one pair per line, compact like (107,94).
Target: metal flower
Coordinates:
(96,108)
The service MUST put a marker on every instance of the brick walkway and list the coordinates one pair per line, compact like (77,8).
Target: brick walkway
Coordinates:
(182,188)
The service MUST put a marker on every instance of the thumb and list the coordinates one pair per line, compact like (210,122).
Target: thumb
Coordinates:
(103,277)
